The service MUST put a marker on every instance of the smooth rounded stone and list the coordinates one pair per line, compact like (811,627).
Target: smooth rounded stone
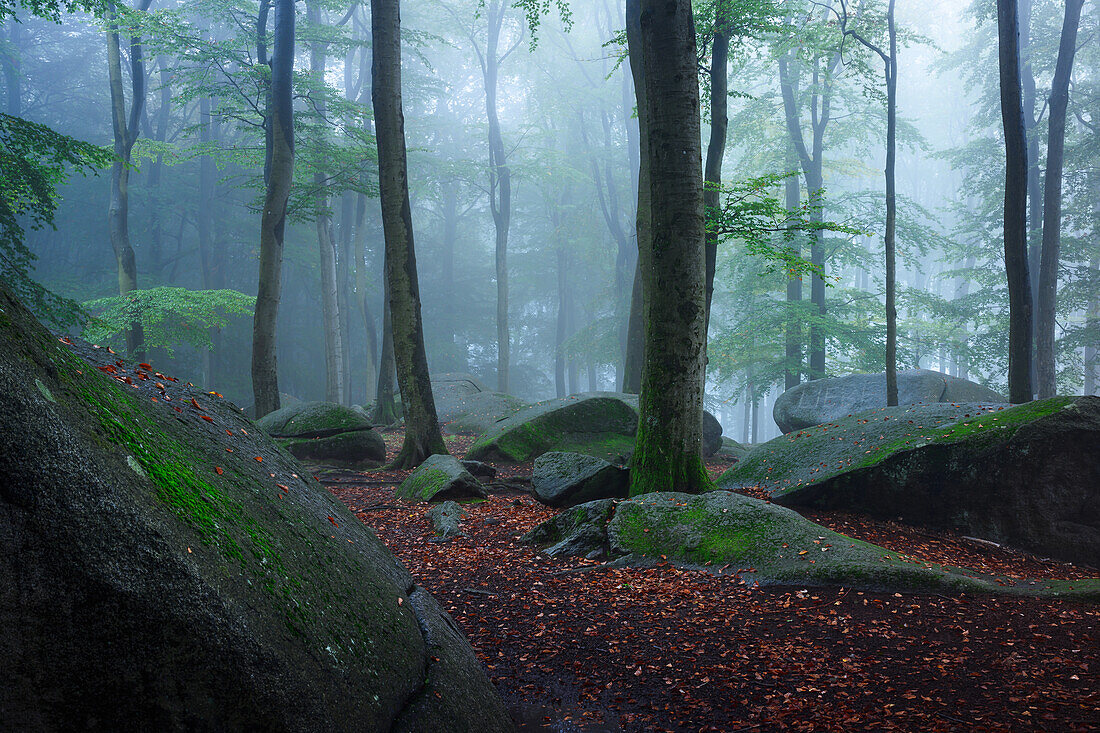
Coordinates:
(313,420)
(439,478)
(476,413)
(825,400)
(480,470)
(732,449)
(712,435)
(1025,476)
(356,449)
(566,479)
(458,384)
(444,519)
(732,534)
(151,579)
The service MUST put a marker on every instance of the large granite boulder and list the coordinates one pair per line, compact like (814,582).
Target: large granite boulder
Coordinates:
(326,433)
(600,424)
(1026,476)
(440,478)
(465,405)
(152,580)
(759,541)
(823,400)
(566,479)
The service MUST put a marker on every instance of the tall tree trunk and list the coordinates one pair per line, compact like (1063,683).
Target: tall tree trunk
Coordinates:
(792,373)
(204,223)
(359,257)
(278,174)
(385,406)
(1034,174)
(343,289)
(716,147)
(635,344)
(422,434)
(156,215)
(125,135)
(1015,207)
(667,453)
(450,310)
(1052,202)
(560,325)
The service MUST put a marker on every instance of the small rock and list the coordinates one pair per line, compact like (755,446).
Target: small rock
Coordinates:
(439,478)
(444,519)
(564,479)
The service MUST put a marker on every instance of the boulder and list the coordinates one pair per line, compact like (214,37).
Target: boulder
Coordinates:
(439,478)
(600,424)
(480,470)
(326,433)
(152,580)
(823,400)
(731,449)
(1025,476)
(566,479)
(444,519)
(476,413)
(761,542)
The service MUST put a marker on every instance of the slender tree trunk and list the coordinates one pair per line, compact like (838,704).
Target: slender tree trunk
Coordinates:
(1092,323)
(792,373)
(635,344)
(667,453)
(1015,208)
(359,256)
(422,434)
(385,406)
(450,238)
(204,222)
(891,213)
(1034,174)
(156,217)
(716,147)
(559,331)
(343,289)
(279,174)
(125,135)
(1052,202)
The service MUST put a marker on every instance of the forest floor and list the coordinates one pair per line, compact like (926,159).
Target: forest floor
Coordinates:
(576,647)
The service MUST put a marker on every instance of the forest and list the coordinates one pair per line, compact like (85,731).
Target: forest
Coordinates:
(658,357)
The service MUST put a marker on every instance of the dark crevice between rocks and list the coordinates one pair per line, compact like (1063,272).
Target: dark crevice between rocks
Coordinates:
(318,434)
(415,694)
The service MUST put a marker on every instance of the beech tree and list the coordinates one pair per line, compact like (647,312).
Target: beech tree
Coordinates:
(422,433)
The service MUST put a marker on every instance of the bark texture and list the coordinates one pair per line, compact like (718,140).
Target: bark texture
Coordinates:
(634,355)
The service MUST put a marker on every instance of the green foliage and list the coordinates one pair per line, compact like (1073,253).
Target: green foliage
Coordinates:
(170,316)
(50,9)
(34,161)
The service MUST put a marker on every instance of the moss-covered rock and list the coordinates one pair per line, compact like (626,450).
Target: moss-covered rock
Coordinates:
(152,579)
(326,433)
(565,479)
(445,519)
(355,449)
(824,400)
(476,413)
(440,478)
(1025,476)
(763,542)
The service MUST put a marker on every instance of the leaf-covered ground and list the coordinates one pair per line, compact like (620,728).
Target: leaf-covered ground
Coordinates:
(573,646)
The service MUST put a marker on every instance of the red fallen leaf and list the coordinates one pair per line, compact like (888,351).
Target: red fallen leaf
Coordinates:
(228,432)
(260,459)
(142,376)
(228,450)
(110,350)
(154,399)
(65,340)
(160,386)
(177,409)
(333,522)
(219,470)
(195,404)
(244,431)
(216,394)
(146,367)
(284,487)
(207,418)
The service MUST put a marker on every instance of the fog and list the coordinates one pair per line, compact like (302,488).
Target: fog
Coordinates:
(569,133)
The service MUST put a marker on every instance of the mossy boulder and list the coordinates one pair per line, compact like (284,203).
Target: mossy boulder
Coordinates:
(762,542)
(445,519)
(597,424)
(1026,476)
(824,400)
(476,413)
(440,478)
(152,580)
(566,479)
(731,449)
(326,433)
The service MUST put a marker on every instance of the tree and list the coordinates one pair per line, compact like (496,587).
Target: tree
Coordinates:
(422,434)
(1015,204)
(125,135)
(278,175)
(667,453)
(890,62)
(1052,202)
(634,357)
(716,147)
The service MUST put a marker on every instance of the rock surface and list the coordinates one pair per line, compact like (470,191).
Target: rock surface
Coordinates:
(1025,476)
(444,519)
(152,580)
(759,541)
(326,433)
(566,479)
(465,405)
(825,400)
(600,424)
(440,478)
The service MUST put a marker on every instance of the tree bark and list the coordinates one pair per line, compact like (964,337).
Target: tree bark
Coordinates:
(385,406)
(1015,206)
(279,174)
(716,147)
(667,453)
(635,342)
(792,373)
(125,135)
(359,247)
(1034,174)
(1052,202)
(422,434)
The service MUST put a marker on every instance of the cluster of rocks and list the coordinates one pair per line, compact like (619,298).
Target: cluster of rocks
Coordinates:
(326,433)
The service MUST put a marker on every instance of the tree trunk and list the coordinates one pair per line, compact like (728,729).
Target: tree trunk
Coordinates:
(279,174)
(359,256)
(1052,202)
(667,453)
(716,147)
(1015,207)
(792,373)
(635,342)
(1034,175)
(385,406)
(891,213)
(125,135)
(204,224)
(422,434)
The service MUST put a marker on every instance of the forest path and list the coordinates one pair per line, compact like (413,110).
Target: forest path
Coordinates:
(575,647)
